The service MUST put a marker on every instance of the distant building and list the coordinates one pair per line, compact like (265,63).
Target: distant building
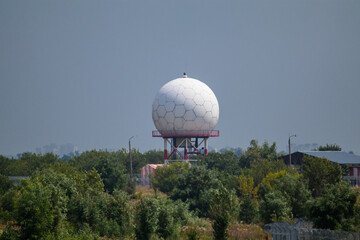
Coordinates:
(147,171)
(350,160)
(61,150)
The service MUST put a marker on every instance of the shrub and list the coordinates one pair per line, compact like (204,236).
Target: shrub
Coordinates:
(335,209)
(167,176)
(194,187)
(274,208)
(248,210)
(159,217)
(222,211)
(5,184)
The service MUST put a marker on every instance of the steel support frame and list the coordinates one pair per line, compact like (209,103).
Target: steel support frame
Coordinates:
(186,143)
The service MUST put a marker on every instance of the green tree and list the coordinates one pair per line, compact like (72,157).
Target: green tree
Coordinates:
(248,209)
(329,147)
(357,211)
(40,209)
(7,205)
(5,184)
(222,209)
(19,167)
(291,186)
(167,176)
(319,172)
(112,173)
(107,164)
(335,209)
(154,156)
(146,219)
(246,187)
(26,164)
(109,215)
(259,170)
(274,208)
(38,161)
(194,187)
(229,181)
(227,162)
(61,202)
(295,190)
(157,217)
(236,150)
(121,212)
(4,164)
(256,153)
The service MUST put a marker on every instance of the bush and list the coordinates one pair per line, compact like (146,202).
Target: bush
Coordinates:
(107,164)
(121,212)
(68,205)
(335,209)
(248,210)
(275,208)
(222,210)
(158,217)
(319,172)
(7,206)
(10,233)
(5,184)
(194,187)
(130,186)
(291,186)
(167,176)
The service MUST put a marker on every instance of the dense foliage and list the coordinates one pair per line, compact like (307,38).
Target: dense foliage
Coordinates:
(168,176)
(194,187)
(159,217)
(320,172)
(5,184)
(335,209)
(222,210)
(91,195)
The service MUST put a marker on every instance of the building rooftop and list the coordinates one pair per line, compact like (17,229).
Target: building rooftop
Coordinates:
(335,156)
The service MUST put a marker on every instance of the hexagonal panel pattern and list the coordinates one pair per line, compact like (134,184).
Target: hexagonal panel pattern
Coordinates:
(189,115)
(185,105)
(169,106)
(179,111)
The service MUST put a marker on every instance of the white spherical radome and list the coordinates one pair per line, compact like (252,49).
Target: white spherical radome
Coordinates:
(185,106)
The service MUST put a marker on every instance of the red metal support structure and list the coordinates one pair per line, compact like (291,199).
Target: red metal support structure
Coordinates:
(165,149)
(192,144)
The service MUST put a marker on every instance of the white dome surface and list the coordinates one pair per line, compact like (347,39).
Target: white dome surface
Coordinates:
(185,106)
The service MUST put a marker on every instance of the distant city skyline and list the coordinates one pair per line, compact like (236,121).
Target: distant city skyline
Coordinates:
(86,72)
(57,149)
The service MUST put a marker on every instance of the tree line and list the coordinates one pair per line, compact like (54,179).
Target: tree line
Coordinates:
(92,195)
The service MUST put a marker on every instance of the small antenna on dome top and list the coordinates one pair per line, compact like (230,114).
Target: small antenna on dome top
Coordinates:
(185,76)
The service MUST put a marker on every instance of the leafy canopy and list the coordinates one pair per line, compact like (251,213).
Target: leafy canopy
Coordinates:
(319,172)
(167,176)
(335,209)
(194,187)
(256,153)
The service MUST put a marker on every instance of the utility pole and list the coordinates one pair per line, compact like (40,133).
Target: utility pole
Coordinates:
(131,168)
(290,148)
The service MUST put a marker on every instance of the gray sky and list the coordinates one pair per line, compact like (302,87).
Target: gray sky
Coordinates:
(86,72)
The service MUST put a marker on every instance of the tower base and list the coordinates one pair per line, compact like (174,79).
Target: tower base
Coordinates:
(183,147)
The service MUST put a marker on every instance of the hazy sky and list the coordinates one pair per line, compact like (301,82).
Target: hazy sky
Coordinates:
(86,72)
